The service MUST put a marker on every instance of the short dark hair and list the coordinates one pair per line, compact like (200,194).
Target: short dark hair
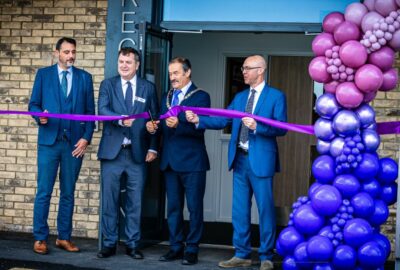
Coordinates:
(65,39)
(129,50)
(183,61)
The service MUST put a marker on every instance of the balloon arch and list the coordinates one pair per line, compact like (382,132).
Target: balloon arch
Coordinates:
(337,226)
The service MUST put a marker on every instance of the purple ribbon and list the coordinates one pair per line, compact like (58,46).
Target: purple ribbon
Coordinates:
(383,128)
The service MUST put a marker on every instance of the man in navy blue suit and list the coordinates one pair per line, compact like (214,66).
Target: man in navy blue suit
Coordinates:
(253,156)
(61,88)
(125,148)
(184,162)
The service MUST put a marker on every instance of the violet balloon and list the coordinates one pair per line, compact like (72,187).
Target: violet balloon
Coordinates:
(371,140)
(331,21)
(347,184)
(355,12)
(370,4)
(383,242)
(301,257)
(368,167)
(369,20)
(323,169)
(313,188)
(344,257)
(319,248)
(366,115)
(336,146)
(323,147)
(323,129)
(369,96)
(356,232)
(288,239)
(384,7)
(383,58)
(289,263)
(395,41)
(353,54)
(380,214)
(371,255)
(388,171)
(348,95)
(307,221)
(327,106)
(363,205)
(326,200)
(368,78)
(389,193)
(321,43)
(346,123)
(390,79)
(317,70)
(372,187)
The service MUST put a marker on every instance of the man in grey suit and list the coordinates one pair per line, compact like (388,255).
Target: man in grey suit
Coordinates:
(125,147)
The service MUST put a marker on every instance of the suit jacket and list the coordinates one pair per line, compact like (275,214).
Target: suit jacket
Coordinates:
(112,102)
(263,148)
(184,149)
(46,96)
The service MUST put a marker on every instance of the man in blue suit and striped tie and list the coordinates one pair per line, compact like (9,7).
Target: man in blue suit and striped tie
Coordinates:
(253,156)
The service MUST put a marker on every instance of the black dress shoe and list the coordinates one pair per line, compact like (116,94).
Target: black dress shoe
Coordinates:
(106,252)
(189,258)
(134,253)
(171,255)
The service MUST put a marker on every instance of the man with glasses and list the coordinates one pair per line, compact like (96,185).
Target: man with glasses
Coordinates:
(253,156)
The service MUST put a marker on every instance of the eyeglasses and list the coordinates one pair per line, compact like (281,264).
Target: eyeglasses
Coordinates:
(248,68)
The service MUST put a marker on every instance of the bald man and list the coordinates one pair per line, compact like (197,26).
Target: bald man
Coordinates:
(253,156)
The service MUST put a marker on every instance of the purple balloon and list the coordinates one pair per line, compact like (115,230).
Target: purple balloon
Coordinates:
(346,31)
(395,41)
(353,54)
(371,255)
(313,188)
(301,257)
(344,257)
(289,263)
(346,123)
(331,21)
(323,169)
(380,215)
(347,184)
(326,200)
(369,96)
(368,78)
(326,231)
(366,115)
(307,221)
(368,167)
(370,4)
(323,147)
(356,232)
(288,239)
(390,79)
(330,87)
(317,70)
(371,140)
(383,58)
(369,20)
(323,129)
(383,242)
(389,193)
(363,205)
(372,187)
(319,248)
(388,171)
(384,7)
(336,147)
(321,43)
(355,12)
(327,106)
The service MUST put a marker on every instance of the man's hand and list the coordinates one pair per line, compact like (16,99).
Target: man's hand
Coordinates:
(172,122)
(152,126)
(192,117)
(249,122)
(150,156)
(80,148)
(127,122)
(43,120)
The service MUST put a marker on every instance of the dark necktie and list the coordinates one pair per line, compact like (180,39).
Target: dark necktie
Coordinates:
(129,97)
(244,131)
(175,98)
(64,83)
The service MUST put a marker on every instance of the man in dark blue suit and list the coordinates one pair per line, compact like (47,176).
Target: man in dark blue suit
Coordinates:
(125,147)
(253,156)
(60,88)
(184,162)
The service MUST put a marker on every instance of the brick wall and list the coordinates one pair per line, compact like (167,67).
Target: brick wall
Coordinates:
(29,30)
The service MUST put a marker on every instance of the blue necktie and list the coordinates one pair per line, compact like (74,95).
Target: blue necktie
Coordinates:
(64,83)
(175,98)
(244,131)
(129,97)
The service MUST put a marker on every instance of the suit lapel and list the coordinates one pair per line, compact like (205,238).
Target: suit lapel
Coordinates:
(139,93)
(244,99)
(74,87)
(261,99)
(56,89)
(191,88)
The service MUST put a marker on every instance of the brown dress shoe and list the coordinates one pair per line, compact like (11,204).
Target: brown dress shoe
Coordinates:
(67,245)
(40,247)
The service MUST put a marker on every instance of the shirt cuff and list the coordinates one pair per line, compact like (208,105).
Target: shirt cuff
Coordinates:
(153,151)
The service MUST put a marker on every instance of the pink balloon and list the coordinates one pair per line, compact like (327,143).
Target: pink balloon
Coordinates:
(384,7)
(369,19)
(383,58)
(370,96)
(353,54)
(330,87)
(368,78)
(355,12)
(370,4)
(390,79)
(395,42)
(317,70)
(321,43)
(346,31)
(331,21)
(348,95)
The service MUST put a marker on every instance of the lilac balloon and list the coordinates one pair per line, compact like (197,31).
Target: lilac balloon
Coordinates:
(330,87)
(370,4)
(319,248)
(363,205)
(346,123)
(323,129)
(346,31)
(395,41)
(380,214)
(371,140)
(384,7)
(336,147)
(355,12)
(353,54)
(356,232)
(369,96)
(371,255)
(327,106)
(317,70)
(366,115)
(390,79)
(348,95)
(368,167)
(368,78)
(331,21)
(321,43)
(344,257)
(323,169)
(383,58)
(307,221)
(323,147)
(389,193)
(383,242)
(288,239)
(347,184)
(388,171)
(372,187)
(326,200)
(369,20)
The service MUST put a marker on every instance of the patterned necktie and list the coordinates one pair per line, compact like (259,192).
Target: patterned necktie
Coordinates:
(64,83)
(244,131)
(129,97)
(175,98)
